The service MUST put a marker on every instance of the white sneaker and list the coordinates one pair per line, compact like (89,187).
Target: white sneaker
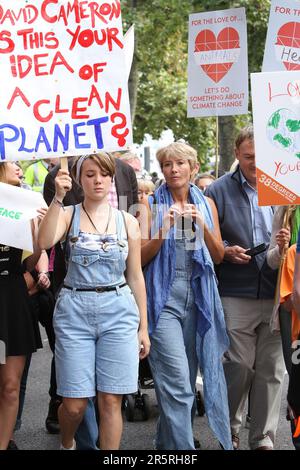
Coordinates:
(154,444)
(71,448)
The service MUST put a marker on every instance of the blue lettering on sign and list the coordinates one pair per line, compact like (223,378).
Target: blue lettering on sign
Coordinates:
(64,138)
(4,139)
(59,140)
(22,147)
(78,134)
(97,128)
(42,139)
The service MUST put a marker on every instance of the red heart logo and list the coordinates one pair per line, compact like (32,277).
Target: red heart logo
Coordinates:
(289,36)
(227,39)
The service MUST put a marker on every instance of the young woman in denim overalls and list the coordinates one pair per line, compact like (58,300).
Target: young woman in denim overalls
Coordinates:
(181,296)
(100,317)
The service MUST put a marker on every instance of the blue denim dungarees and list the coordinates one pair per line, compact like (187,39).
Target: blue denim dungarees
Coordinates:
(173,357)
(96,333)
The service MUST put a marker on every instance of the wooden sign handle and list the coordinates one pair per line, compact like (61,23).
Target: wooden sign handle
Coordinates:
(285,224)
(64,163)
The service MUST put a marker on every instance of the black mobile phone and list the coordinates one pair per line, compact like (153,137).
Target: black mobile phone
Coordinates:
(256,250)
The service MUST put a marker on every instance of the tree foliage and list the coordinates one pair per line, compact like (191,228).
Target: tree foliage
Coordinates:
(159,75)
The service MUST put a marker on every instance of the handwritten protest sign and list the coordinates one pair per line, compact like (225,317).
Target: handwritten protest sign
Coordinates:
(17,235)
(218,63)
(63,79)
(17,207)
(282,51)
(276,118)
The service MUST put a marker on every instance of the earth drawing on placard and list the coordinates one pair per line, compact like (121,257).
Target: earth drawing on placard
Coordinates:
(283,131)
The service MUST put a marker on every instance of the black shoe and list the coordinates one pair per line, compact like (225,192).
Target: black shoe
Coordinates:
(52,424)
(12,445)
(197,444)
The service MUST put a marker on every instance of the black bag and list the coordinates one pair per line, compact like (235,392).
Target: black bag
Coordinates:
(46,304)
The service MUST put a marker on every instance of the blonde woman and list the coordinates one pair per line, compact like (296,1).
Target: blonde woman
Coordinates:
(183,302)
(145,189)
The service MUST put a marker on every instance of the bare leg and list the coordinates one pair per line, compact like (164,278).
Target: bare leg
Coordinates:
(70,414)
(111,422)
(10,378)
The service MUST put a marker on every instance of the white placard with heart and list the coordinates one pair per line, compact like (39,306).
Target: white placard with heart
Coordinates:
(282,51)
(218,63)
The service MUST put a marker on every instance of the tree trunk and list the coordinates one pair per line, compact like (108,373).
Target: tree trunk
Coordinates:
(133,87)
(226,143)
(133,77)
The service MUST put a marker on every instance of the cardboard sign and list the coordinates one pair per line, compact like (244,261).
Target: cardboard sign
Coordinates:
(218,63)
(17,207)
(63,79)
(276,119)
(282,51)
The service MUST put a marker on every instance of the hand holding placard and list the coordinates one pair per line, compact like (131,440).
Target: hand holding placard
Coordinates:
(63,184)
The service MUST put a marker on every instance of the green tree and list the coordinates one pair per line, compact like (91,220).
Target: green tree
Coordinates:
(160,73)
(158,80)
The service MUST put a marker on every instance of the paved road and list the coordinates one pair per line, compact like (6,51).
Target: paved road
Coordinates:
(136,435)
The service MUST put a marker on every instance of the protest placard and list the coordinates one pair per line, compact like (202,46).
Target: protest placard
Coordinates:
(18,207)
(276,119)
(282,51)
(218,63)
(129,41)
(63,79)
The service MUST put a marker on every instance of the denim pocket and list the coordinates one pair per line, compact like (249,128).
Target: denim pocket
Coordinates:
(85,260)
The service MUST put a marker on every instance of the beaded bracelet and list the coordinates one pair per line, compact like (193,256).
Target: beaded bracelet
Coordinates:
(57,202)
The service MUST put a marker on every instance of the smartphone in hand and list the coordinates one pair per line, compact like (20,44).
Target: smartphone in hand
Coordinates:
(256,250)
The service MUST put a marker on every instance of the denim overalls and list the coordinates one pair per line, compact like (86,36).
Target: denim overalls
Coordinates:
(173,357)
(96,332)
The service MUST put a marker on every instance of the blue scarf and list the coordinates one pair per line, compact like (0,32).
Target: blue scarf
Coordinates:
(160,272)
(212,339)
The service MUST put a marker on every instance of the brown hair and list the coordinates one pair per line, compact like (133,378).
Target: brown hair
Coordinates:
(204,175)
(245,134)
(2,172)
(104,160)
